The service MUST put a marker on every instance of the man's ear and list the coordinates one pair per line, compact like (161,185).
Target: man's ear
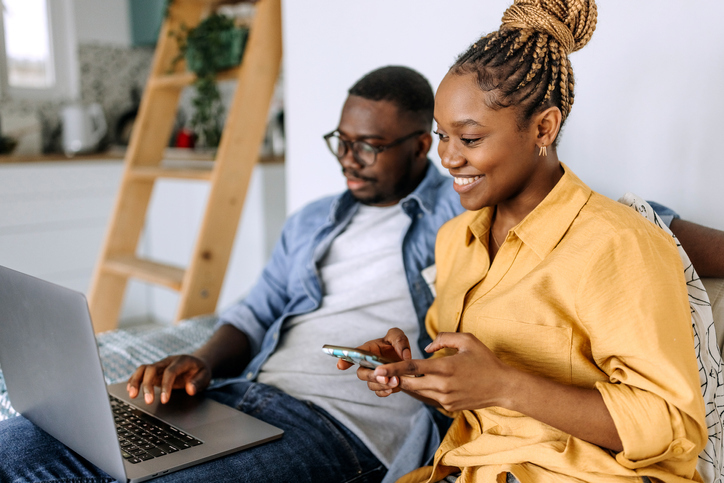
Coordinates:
(547,125)
(423,145)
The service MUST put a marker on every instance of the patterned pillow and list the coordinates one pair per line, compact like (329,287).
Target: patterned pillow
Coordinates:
(121,351)
(715,291)
(708,353)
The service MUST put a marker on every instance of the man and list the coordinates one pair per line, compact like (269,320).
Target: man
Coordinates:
(346,268)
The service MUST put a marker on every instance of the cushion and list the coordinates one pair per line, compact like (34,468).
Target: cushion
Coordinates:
(707,347)
(715,291)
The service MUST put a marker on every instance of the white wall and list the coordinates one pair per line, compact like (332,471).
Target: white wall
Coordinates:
(648,99)
(103,21)
(648,106)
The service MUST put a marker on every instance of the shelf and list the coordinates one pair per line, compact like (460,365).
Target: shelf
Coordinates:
(228,169)
(197,158)
(60,158)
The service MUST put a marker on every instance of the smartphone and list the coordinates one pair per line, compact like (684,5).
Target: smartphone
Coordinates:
(356,356)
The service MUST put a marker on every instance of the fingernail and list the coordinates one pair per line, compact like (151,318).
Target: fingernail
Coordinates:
(428,346)
(394,381)
(164,397)
(406,354)
(147,398)
(382,379)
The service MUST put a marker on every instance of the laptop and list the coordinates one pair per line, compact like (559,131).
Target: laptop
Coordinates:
(53,374)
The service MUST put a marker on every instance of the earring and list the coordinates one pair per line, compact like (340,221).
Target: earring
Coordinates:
(543,151)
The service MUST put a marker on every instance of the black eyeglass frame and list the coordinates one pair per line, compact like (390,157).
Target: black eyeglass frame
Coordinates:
(376,149)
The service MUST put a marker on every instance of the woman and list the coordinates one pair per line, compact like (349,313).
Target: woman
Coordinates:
(562,338)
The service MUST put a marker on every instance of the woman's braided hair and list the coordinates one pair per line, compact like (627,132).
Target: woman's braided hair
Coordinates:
(525,63)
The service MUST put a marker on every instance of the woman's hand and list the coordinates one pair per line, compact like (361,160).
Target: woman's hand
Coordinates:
(474,378)
(471,378)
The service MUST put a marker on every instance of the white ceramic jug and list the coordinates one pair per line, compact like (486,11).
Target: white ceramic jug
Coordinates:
(83,127)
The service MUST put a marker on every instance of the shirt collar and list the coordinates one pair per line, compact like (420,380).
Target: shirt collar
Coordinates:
(423,196)
(541,230)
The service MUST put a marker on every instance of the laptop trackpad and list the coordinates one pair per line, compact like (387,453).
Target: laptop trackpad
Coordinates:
(182,410)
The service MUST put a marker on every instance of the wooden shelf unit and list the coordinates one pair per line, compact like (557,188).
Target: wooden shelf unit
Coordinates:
(199,284)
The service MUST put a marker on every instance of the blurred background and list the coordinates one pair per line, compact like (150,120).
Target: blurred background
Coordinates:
(647,119)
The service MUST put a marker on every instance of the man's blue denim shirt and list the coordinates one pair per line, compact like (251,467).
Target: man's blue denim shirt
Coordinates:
(290,283)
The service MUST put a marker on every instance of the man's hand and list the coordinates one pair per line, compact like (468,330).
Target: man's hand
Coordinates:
(225,354)
(174,372)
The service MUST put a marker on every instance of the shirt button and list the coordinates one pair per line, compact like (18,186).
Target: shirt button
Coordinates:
(275,336)
(249,375)
(678,450)
(419,216)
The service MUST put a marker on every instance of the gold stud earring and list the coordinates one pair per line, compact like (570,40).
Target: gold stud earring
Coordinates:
(543,151)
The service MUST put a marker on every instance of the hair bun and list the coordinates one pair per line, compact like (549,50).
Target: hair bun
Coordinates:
(570,22)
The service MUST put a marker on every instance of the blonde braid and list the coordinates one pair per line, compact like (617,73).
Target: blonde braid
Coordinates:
(540,53)
(520,41)
(555,68)
(526,61)
(582,18)
(566,87)
(526,14)
(571,85)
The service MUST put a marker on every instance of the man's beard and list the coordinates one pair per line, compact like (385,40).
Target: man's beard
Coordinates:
(400,190)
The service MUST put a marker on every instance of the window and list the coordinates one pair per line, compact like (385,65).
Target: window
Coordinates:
(38,43)
(27,44)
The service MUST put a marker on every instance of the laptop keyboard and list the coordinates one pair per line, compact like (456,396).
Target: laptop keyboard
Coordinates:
(143,437)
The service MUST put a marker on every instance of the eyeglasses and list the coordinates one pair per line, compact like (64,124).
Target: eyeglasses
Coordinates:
(363,152)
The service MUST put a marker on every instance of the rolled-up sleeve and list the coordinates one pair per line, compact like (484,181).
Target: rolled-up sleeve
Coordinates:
(647,439)
(638,317)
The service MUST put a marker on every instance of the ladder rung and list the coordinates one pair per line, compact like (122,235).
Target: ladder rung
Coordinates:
(154,172)
(182,79)
(157,273)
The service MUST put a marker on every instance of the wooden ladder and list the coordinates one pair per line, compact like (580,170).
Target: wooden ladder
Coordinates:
(200,283)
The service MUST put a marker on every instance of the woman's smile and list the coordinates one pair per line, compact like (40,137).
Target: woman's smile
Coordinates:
(466,183)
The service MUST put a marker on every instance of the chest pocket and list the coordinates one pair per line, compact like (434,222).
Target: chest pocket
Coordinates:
(537,349)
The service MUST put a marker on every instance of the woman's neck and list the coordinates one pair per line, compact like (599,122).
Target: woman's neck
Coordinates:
(511,212)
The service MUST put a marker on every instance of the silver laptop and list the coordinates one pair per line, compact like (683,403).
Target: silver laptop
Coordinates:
(49,357)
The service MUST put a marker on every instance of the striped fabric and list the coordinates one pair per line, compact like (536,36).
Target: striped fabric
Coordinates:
(123,350)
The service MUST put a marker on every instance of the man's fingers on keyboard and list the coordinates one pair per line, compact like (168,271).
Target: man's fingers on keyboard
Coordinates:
(151,379)
(135,381)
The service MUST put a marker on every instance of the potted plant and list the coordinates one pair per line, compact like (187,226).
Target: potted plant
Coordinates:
(215,44)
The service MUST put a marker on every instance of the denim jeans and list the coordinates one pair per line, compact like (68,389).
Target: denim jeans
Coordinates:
(314,448)
(510,478)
